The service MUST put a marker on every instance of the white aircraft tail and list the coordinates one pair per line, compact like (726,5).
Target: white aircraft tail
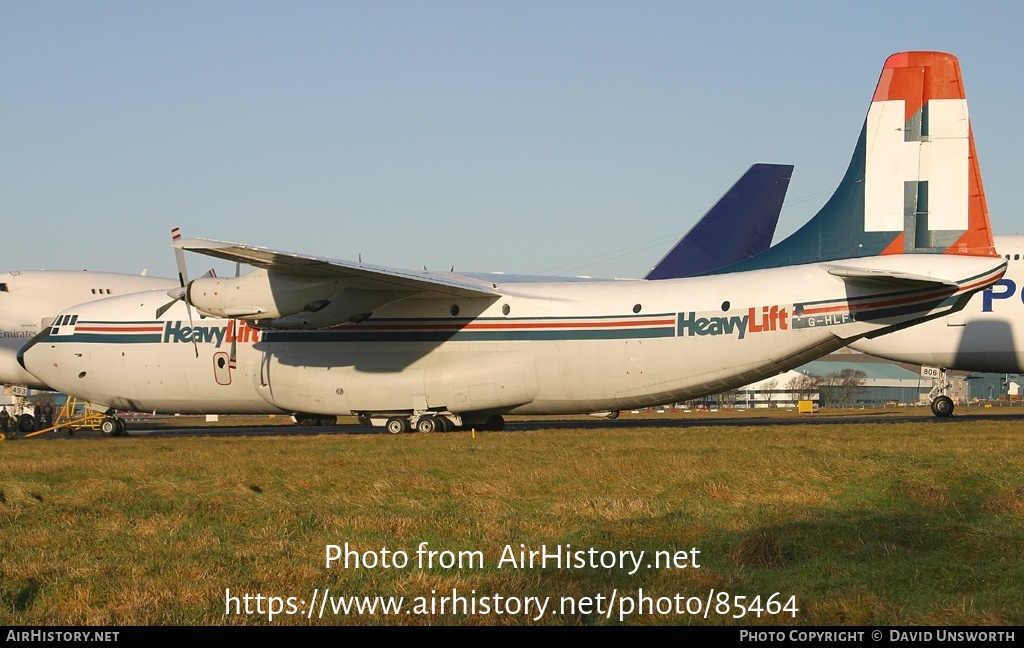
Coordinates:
(913,185)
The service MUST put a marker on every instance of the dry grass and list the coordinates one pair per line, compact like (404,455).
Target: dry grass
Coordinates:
(864,524)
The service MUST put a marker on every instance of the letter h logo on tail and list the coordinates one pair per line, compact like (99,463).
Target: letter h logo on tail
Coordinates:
(917,170)
(913,184)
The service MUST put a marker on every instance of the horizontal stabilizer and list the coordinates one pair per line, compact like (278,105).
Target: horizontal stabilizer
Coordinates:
(879,277)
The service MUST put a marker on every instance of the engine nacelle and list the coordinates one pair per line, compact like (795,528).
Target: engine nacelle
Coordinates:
(350,305)
(260,294)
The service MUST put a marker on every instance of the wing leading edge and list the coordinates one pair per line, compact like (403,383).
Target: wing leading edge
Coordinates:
(357,276)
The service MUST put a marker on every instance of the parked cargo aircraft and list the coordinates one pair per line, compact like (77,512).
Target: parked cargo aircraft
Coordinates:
(905,238)
(750,209)
(30,299)
(987,335)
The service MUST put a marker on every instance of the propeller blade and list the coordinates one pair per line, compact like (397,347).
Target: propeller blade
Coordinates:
(181,293)
(163,309)
(234,347)
(179,258)
(234,330)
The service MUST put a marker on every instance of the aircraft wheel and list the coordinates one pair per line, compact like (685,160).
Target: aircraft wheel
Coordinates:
(612,416)
(943,407)
(108,427)
(122,427)
(495,423)
(26,423)
(397,425)
(364,419)
(443,424)
(426,425)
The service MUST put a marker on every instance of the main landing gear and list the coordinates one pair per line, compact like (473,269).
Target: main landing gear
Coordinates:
(428,422)
(313,420)
(112,426)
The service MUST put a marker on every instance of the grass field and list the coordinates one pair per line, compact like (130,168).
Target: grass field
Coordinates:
(867,523)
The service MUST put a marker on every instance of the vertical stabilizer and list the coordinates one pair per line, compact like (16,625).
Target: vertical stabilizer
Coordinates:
(913,185)
(739,226)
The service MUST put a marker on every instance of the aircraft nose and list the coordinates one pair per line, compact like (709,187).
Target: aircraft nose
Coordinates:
(35,339)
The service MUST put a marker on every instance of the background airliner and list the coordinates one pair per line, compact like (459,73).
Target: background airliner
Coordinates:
(987,335)
(30,299)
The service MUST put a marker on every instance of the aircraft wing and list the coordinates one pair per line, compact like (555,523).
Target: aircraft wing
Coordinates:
(362,276)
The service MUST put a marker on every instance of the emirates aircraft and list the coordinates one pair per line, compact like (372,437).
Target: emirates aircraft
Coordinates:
(904,239)
(30,299)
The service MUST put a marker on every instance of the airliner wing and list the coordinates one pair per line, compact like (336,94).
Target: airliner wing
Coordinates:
(363,276)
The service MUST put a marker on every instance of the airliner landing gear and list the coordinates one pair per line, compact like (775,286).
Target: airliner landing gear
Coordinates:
(942,405)
(112,426)
(495,423)
(313,420)
(397,425)
(26,423)
(428,424)
(427,421)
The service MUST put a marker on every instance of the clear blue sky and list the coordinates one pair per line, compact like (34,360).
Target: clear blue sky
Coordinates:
(539,137)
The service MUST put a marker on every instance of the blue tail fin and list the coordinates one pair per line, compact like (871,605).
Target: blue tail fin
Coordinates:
(740,225)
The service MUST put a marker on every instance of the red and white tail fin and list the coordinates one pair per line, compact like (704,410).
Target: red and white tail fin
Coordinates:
(921,169)
(913,185)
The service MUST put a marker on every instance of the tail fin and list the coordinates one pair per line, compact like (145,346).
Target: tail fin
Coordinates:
(913,185)
(739,226)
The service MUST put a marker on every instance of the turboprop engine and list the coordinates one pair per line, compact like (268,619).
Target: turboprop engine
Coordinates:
(283,301)
(260,294)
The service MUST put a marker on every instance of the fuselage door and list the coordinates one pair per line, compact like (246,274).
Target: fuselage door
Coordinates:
(221,368)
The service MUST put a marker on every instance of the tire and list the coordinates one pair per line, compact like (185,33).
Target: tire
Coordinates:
(611,416)
(943,407)
(397,425)
(122,427)
(495,423)
(108,426)
(26,423)
(426,425)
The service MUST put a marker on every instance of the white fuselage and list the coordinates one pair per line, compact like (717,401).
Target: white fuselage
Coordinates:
(536,348)
(987,335)
(30,299)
